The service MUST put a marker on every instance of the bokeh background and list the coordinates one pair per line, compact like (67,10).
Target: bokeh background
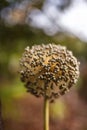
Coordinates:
(29,22)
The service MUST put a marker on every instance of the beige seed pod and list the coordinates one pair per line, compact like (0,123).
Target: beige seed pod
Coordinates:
(48,70)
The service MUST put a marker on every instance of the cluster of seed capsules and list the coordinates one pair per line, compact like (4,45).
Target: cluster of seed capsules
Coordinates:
(48,70)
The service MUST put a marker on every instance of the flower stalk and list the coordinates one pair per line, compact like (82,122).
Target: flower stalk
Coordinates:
(46,114)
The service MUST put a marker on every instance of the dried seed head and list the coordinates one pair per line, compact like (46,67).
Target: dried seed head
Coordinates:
(48,70)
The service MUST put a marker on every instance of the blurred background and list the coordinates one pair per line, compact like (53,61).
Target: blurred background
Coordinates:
(29,22)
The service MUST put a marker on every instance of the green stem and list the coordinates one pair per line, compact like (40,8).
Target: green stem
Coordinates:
(46,114)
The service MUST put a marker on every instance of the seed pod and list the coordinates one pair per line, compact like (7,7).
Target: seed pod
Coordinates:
(48,70)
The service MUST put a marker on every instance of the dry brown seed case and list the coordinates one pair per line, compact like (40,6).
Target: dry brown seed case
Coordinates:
(48,70)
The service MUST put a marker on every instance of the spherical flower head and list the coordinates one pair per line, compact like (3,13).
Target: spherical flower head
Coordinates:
(48,70)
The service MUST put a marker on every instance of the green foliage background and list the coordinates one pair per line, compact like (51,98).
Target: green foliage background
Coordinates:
(13,40)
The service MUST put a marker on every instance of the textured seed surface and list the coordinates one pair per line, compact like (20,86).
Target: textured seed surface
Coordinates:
(48,70)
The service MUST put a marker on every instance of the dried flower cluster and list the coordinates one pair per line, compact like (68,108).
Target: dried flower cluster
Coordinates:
(48,70)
